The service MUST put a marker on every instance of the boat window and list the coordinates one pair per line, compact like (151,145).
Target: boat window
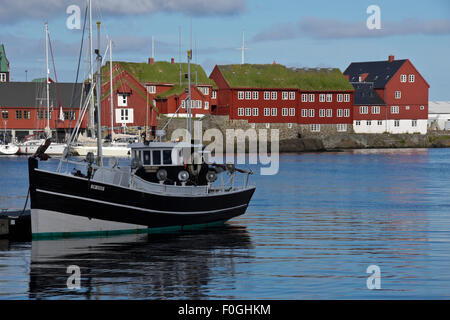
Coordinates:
(156,157)
(167,156)
(147,160)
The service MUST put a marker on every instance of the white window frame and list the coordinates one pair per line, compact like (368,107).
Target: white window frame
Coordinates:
(341,127)
(329,97)
(363,110)
(304,113)
(322,113)
(214,94)
(329,113)
(248,95)
(346,97)
(339,113)
(255,112)
(322,97)
(413,123)
(267,112)
(2,77)
(240,112)
(284,95)
(314,127)
(248,112)
(151,89)
(311,113)
(398,94)
(412,78)
(369,122)
(284,112)
(206,105)
(357,123)
(396,123)
(122,100)
(292,95)
(375,109)
(274,112)
(395,110)
(240,95)
(340,97)
(274,95)
(403,78)
(255,95)
(304,97)
(346,113)
(292,112)
(312,97)
(380,122)
(266,95)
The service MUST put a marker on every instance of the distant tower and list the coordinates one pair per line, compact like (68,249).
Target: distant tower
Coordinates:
(243,48)
(4,65)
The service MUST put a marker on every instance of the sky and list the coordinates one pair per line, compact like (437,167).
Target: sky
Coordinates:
(294,33)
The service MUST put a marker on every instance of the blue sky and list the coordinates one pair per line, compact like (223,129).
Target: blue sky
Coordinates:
(294,33)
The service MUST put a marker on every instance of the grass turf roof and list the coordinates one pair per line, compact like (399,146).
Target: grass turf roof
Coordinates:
(164,72)
(278,76)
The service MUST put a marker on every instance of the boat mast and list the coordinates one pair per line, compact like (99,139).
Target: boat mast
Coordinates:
(91,70)
(99,87)
(47,128)
(189,120)
(111,88)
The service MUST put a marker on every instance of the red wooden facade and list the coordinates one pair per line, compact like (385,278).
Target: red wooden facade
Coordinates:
(282,105)
(132,105)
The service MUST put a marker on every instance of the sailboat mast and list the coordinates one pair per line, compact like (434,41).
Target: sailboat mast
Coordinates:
(47,71)
(99,88)
(91,71)
(189,123)
(111,89)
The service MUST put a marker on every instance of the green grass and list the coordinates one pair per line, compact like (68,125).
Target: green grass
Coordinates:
(279,76)
(163,72)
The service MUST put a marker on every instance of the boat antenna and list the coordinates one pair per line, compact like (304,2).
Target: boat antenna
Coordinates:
(99,88)
(47,71)
(111,88)
(91,70)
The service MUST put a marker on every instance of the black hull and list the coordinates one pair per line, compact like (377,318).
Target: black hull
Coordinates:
(76,196)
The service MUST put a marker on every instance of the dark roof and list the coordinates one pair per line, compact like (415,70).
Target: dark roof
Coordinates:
(33,94)
(379,72)
(365,94)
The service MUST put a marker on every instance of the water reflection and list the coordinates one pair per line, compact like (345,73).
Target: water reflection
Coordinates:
(138,266)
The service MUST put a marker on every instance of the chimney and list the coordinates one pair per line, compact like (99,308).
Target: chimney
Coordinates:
(391,58)
(172,61)
(151,61)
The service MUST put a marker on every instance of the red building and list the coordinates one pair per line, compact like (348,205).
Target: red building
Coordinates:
(276,94)
(23,108)
(132,105)
(167,84)
(390,96)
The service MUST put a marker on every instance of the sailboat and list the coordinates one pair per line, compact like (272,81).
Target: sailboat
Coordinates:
(7,148)
(118,147)
(33,142)
(162,189)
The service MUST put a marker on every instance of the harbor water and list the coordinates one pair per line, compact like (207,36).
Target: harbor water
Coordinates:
(311,232)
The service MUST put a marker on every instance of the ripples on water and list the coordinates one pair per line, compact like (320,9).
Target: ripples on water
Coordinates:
(310,232)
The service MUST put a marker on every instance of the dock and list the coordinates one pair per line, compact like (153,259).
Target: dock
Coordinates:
(15,224)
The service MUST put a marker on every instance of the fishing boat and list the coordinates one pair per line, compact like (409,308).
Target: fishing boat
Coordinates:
(166,186)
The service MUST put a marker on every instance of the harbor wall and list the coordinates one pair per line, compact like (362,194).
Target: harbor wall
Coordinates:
(298,138)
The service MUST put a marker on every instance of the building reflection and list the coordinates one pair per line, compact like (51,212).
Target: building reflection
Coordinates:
(138,266)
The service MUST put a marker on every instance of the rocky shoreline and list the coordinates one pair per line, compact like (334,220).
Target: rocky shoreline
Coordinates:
(350,141)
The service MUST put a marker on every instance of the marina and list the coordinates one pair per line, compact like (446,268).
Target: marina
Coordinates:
(314,239)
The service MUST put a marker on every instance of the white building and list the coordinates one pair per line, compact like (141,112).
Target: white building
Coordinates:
(439,115)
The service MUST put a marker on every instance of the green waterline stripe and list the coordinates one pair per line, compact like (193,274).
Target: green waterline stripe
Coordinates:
(106,233)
